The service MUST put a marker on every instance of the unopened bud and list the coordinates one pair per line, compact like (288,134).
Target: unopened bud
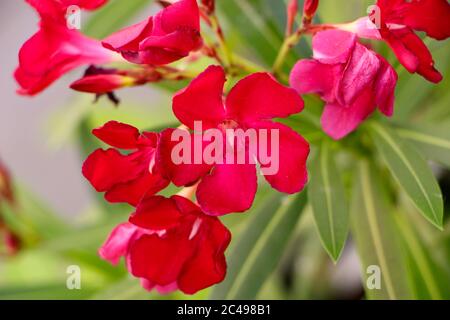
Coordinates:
(210,5)
(309,9)
(102,83)
(292,10)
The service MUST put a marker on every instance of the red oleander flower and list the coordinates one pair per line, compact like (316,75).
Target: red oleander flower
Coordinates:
(251,104)
(352,80)
(125,178)
(55,49)
(164,38)
(57,9)
(170,244)
(396,22)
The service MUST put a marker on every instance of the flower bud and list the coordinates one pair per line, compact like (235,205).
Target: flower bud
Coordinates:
(309,9)
(209,5)
(292,10)
(102,83)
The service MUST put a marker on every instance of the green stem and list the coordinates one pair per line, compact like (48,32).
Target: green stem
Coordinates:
(287,45)
(227,55)
(292,40)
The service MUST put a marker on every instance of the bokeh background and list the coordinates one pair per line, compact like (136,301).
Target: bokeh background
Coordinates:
(44,139)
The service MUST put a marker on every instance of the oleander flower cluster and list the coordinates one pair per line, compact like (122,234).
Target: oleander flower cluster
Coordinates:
(175,242)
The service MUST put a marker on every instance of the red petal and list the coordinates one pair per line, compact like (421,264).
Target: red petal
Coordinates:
(117,134)
(161,259)
(412,53)
(259,96)
(202,99)
(181,14)
(229,188)
(105,169)
(293,152)
(53,51)
(156,213)
(128,38)
(180,174)
(208,265)
(134,191)
(431,16)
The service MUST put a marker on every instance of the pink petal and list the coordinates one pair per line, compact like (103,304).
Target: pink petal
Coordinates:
(202,99)
(228,188)
(311,76)
(359,73)
(385,88)
(333,46)
(117,244)
(338,121)
(259,96)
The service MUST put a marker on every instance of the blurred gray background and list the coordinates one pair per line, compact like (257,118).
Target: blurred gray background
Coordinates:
(52,174)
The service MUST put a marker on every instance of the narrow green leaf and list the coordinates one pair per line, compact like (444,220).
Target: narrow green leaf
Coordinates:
(433,142)
(260,247)
(411,172)
(377,239)
(427,279)
(327,196)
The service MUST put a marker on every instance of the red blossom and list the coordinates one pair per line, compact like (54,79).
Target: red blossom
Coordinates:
(396,22)
(352,80)
(125,178)
(170,244)
(55,50)
(164,38)
(251,104)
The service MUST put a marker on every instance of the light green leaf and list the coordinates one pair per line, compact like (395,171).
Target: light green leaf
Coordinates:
(433,142)
(411,172)
(376,238)
(260,247)
(327,196)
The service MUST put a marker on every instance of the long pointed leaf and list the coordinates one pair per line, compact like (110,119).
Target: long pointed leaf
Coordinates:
(411,172)
(327,196)
(376,238)
(258,251)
